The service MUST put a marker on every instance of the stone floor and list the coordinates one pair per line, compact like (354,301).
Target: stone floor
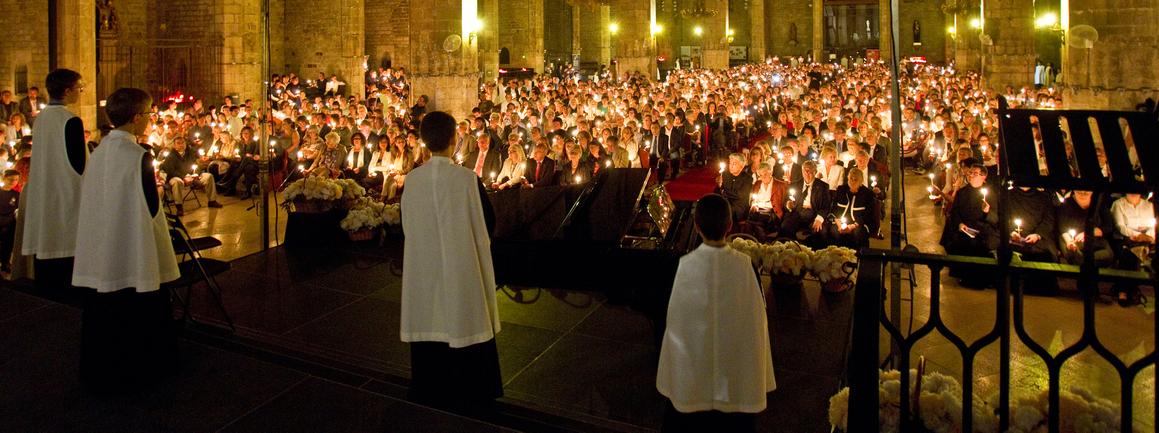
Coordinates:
(317,346)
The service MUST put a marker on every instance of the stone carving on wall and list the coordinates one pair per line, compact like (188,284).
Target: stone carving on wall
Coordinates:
(793,34)
(107,16)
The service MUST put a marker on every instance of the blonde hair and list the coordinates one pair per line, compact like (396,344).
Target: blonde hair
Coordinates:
(333,136)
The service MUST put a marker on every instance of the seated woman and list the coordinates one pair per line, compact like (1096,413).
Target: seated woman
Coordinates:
(393,167)
(311,145)
(511,175)
(221,158)
(830,171)
(379,165)
(329,161)
(1134,240)
(574,170)
(358,159)
(854,212)
(766,210)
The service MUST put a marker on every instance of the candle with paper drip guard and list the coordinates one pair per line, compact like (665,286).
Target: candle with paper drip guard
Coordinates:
(1018,226)
(873,181)
(792,194)
(843,224)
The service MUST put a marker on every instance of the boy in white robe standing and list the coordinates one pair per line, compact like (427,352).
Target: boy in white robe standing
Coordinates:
(716,365)
(449,312)
(128,338)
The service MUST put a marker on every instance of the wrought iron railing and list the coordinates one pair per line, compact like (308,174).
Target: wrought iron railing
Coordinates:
(870,317)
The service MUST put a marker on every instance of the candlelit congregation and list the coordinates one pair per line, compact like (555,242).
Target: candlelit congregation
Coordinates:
(578,215)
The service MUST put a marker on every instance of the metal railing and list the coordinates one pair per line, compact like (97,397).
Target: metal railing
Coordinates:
(870,317)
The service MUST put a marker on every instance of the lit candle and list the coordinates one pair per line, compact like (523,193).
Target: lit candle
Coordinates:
(984,191)
(1073,234)
(873,181)
(722,165)
(578,178)
(194,168)
(931,179)
(792,194)
(1018,225)
(201,152)
(843,225)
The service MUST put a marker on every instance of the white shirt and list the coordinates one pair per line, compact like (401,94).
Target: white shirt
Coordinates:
(1129,219)
(716,353)
(448,280)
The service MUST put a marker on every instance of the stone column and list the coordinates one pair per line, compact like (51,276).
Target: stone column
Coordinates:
(577,38)
(1010,61)
(76,49)
(449,78)
(605,19)
(885,42)
(757,31)
(818,30)
(489,40)
(714,41)
(241,48)
(635,44)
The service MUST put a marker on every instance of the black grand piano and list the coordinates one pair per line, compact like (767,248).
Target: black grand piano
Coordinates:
(615,235)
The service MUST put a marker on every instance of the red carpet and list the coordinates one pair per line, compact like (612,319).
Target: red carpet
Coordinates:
(693,184)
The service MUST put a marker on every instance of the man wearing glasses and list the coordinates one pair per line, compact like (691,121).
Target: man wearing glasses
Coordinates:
(52,196)
(971,228)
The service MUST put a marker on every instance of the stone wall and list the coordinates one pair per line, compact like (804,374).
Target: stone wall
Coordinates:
(557,30)
(24,47)
(781,16)
(1124,63)
(388,32)
(1010,61)
(326,37)
(932,22)
(521,28)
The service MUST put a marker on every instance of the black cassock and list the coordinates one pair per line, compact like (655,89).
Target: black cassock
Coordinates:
(1036,212)
(1072,217)
(967,209)
(738,191)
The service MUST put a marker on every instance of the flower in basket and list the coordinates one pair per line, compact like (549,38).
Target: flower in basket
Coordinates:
(392,214)
(938,409)
(351,189)
(786,258)
(365,214)
(829,263)
(313,188)
(746,246)
(1081,412)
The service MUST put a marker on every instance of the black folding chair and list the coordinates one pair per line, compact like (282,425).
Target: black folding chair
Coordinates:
(195,268)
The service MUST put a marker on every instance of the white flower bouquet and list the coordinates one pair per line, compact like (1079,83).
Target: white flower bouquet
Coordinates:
(392,214)
(312,194)
(936,401)
(829,267)
(786,258)
(365,214)
(1081,412)
(351,190)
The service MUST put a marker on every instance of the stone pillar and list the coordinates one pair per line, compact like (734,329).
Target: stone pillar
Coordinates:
(76,49)
(577,34)
(605,14)
(449,79)
(1123,64)
(885,42)
(521,26)
(489,39)
(635,44)
(1010,61)
(818,30)
(714,42)
(241,48)
(757,31)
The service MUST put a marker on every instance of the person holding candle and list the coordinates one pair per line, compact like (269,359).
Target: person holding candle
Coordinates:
(787,169)
(32,104)
(1072,223)
(358,159)
(179,172)
(1033,228)
(484,160)
(573,170)
(830,171)
(855,213)
(767,202)
(9,199)
(514,166)
(329,161)
(1134,239)
(971,226)
(736,186)
(807,206)
(541,170)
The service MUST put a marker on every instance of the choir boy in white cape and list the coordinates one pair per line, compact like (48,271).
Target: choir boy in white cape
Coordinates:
(51,198)
(449,313)
(716,365)
(124,253)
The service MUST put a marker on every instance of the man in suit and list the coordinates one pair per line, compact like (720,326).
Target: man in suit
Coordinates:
(807,205)
(483,160)
(540,170)
(30,106)
(671,142)
(877,152)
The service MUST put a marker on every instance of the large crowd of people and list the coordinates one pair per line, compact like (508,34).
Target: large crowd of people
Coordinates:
(801,149)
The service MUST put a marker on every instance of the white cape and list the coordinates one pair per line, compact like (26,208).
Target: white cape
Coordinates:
(716,354)
(448,281)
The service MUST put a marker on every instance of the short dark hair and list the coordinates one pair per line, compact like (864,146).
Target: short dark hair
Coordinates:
(712,217)
(59,81)
(125,104)
(11,172)
(437,129)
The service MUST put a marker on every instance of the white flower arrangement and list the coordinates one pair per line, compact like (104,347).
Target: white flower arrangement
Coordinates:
(829,263)
(313,188)
(365,214)
(787,258)
(1081,412)
(939,407)
(392,214)
(351,190)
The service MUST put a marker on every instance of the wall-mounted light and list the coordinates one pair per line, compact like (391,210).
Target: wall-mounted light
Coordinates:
(613,28)
(657,29)
(698,30)
(975,23)
(1047,20)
